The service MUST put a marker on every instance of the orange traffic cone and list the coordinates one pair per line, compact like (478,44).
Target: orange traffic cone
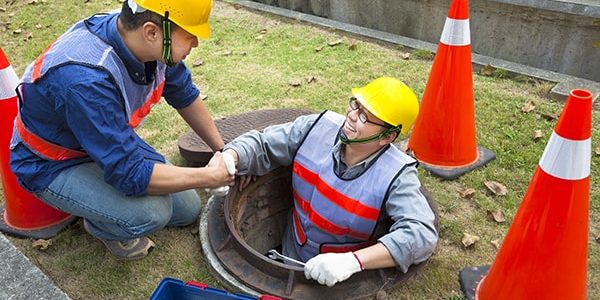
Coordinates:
(443,137)
(24,215)
(544,253)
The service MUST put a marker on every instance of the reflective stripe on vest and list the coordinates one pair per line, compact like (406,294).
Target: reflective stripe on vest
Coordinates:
(332,212)
(44,148)
(138,99)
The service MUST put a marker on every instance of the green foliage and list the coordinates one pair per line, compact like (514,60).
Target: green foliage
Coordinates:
(423,54)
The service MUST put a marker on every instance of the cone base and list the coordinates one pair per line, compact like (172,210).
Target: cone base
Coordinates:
(484,157)
(41,233)
(469,279)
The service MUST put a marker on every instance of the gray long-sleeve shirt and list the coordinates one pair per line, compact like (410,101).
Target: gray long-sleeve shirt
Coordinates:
(412,236)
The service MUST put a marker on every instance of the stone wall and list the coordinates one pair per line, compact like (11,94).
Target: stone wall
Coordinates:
(554,35)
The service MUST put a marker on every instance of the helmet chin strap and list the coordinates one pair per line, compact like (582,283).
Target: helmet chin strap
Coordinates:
(167,55)
(378,136)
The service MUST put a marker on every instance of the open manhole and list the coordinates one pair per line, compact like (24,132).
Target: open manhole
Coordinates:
(238,229)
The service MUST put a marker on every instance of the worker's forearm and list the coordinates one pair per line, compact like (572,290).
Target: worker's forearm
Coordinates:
(166,179)
(200,120)
(375,257)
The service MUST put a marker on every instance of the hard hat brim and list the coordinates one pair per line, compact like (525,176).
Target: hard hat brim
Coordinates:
(201,31)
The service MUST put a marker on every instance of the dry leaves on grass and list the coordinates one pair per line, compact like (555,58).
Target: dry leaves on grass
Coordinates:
(17,31)
(311,79)
(496,188)
(259,37)
(597,150)
(405,55)
(469,239)
(528,107)
(497,215)
(41,244)
(496,243)
(352,46)
(295,82)
(335,43)
(197,63)
(537,134)
(468,193)
(487,70)
(203,96)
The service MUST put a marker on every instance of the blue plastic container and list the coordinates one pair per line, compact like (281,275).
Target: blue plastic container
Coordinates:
(175,289)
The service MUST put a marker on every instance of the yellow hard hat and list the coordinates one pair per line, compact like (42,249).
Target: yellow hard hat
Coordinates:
(390,100)
(192,16)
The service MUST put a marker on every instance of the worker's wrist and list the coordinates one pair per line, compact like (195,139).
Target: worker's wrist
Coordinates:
(358,260)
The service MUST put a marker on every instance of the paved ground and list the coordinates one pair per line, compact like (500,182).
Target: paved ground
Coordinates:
(20,279)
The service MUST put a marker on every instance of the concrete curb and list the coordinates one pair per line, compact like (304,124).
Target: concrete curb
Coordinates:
(564,83)
(20,279)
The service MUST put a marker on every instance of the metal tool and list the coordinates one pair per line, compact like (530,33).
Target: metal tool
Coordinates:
(273,254)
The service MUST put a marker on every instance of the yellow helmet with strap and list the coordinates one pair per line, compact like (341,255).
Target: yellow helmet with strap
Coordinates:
(390,100)
(192,16)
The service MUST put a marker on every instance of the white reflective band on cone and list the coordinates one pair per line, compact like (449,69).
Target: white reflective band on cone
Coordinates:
(567,159)
(8,83)
(456,32)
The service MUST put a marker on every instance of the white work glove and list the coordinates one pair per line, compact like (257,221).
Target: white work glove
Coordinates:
(331,268)
(230,164)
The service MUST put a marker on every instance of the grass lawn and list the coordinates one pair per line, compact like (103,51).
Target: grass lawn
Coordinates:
(248,64)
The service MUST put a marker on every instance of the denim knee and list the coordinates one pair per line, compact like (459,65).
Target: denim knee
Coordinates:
(152,216)
(186,208)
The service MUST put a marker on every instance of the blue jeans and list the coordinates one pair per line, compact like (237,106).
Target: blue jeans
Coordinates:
(81,191)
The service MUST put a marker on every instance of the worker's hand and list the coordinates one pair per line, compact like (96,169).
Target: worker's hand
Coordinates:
(245,180)
(331,268)
(224,170)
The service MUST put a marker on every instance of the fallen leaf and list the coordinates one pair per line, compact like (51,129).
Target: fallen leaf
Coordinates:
(548,117)
(237,6)
(497,188)
(259,37)
(195,230)
(2,9)
(405,55)
(32,2)
(318,49)
(469,239)
(537,134)
(528,107)
(243,53)
(225,53)
(311,79)
(497,215)
(352,46)
(496,243)
(468,193)
(17,31)
(41,244)
(598,239)
(38,26)
(197,63)
(263,31)
(295,82)
(203,96)
(597,150)
(335,43)
(487,70)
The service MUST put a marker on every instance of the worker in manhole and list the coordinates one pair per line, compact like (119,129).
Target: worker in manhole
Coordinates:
(75,144)
(357,203)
